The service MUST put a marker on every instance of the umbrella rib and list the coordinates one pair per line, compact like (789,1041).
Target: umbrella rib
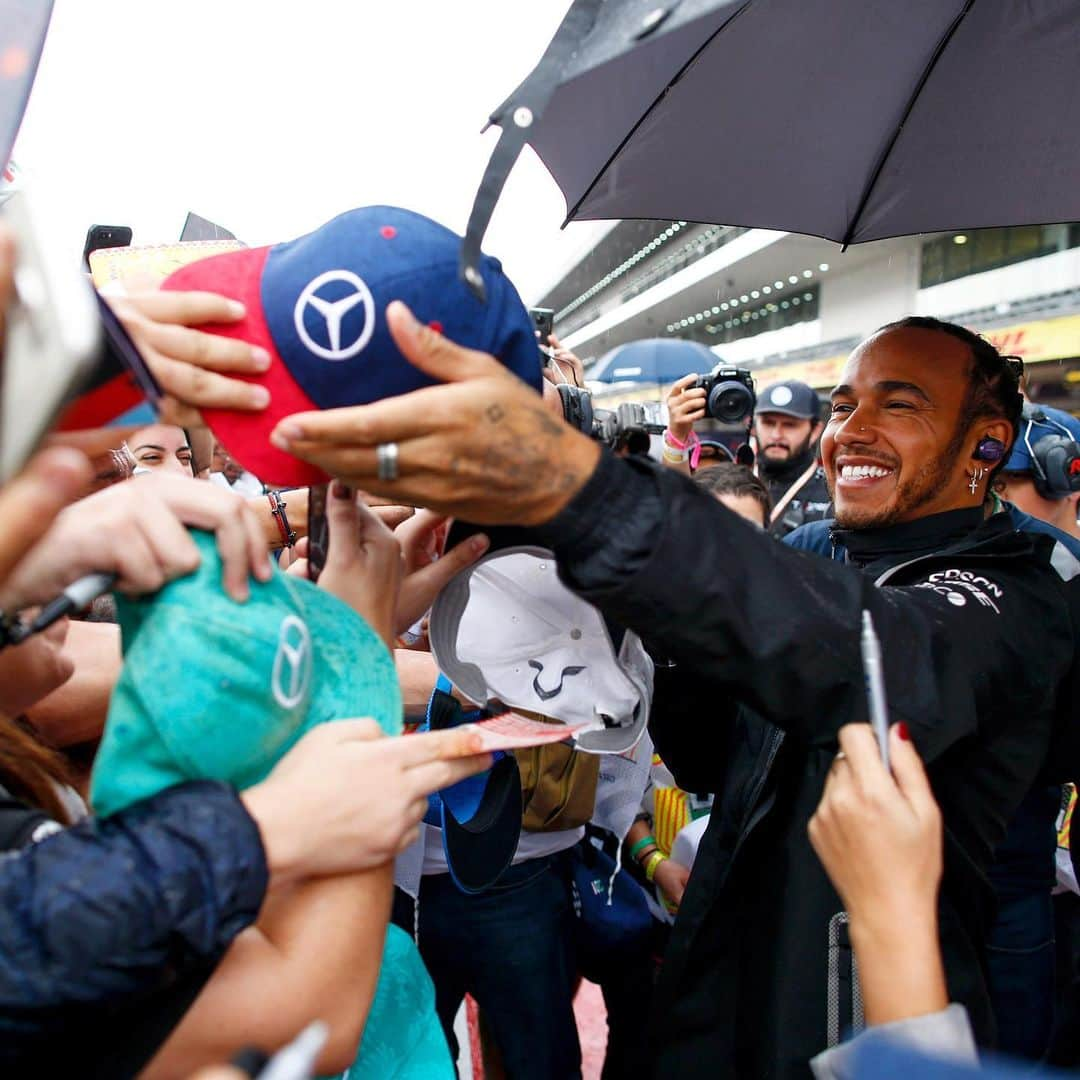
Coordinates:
(656,101)
(876,174)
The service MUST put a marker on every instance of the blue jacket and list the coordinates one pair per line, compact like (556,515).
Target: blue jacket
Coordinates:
(109,929)
(815,536)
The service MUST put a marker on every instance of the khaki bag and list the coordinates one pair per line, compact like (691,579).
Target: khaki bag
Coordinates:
(558,787)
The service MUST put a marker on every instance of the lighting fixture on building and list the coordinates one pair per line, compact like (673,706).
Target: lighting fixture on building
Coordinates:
(824,267)
(959,238)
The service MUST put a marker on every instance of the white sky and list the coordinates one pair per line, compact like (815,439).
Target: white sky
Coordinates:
(269,117)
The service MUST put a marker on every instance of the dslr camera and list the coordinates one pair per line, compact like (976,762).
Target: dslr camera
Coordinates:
(629,425)
(729,394)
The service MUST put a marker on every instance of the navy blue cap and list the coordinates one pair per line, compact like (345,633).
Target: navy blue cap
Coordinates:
(1037,423)
(318,307)
(480,816)
(791,398)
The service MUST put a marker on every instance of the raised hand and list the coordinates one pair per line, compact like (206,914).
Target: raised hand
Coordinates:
(482,447)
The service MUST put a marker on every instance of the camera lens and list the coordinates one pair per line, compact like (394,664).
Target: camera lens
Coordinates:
(730,402)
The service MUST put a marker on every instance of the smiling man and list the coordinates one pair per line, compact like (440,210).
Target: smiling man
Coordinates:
(977,612)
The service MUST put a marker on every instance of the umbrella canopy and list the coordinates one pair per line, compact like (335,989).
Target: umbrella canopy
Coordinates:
(852,120)
(654,360)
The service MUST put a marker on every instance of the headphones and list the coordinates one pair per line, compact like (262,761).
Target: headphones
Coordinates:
(1055,459)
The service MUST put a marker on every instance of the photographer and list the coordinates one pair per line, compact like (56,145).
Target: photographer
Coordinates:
(686,405)
(977,620)
(726,394)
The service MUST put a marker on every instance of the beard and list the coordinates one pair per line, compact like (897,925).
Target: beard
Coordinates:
(910,495)
(793,454)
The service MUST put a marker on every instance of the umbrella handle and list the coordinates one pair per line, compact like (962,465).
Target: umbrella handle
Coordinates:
(523,108)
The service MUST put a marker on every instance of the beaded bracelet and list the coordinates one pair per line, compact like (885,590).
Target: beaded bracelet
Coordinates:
(277,508)
(644,842)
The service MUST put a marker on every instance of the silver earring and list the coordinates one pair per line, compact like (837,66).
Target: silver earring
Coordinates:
(973,484)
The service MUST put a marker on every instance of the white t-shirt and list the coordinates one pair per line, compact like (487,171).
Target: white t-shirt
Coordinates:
(532,845)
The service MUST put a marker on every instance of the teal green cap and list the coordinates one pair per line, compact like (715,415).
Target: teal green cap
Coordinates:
(216,690)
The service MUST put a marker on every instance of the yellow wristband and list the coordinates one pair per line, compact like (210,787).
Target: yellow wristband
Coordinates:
(651,864)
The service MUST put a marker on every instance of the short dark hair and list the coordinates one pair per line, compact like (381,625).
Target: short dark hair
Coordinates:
(994,390)
(727,478)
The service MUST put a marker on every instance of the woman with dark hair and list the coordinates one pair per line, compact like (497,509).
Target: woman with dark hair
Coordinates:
(35,783)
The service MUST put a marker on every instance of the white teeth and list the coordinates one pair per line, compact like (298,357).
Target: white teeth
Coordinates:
(859,472)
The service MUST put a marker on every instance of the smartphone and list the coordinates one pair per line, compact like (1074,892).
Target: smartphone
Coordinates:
(543,323)
(52,341)
(318,530)
(104,236)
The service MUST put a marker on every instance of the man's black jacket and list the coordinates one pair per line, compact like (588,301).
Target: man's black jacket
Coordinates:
(809,503)
(979,645)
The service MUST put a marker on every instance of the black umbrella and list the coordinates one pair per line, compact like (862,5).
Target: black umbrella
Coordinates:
(852,120)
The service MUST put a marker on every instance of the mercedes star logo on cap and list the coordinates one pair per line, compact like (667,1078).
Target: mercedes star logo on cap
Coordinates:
(332,312)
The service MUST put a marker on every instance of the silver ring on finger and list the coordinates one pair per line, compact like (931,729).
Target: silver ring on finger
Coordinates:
(386,458)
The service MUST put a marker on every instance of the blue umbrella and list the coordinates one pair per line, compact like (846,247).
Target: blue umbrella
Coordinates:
(654,360)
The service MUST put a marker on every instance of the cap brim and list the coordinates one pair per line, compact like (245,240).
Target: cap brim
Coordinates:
(246,435)
(796,413)
(479,850)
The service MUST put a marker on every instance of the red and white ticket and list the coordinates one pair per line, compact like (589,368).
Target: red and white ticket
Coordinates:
(509,731)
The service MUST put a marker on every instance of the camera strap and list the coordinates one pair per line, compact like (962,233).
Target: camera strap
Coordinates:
(792,491)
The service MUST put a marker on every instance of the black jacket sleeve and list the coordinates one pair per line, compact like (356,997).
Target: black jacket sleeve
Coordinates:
(696,752)
(106,911)
(780,628)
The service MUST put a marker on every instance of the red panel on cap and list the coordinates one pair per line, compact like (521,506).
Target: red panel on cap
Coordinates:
(246,435)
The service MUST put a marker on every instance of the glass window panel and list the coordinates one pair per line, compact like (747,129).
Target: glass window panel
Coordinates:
(1024,241)
(933,263)
(958,259)
(989,248)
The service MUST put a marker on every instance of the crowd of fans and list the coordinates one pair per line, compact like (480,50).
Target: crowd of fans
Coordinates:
(216,833)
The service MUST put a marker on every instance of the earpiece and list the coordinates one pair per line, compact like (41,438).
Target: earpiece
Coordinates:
(989,449)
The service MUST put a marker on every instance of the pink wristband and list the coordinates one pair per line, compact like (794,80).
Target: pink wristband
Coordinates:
(695,454)
(670,439)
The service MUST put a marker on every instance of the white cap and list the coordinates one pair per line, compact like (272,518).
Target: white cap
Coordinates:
(506,629)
